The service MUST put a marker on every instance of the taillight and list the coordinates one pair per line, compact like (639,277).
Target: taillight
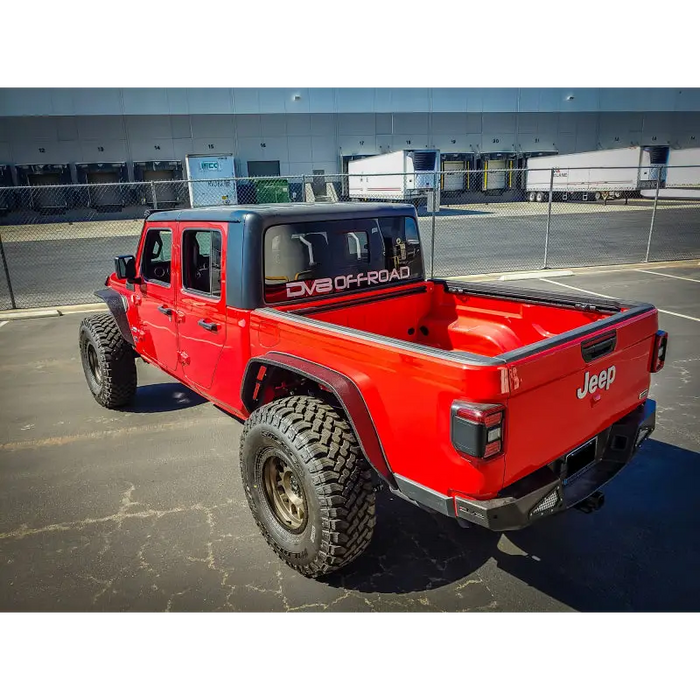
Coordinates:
(658,356)
(477,428)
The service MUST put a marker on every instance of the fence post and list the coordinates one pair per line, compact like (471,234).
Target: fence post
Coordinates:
(7,274)
(153,195)
(434,195)
(549,218)
(653,214)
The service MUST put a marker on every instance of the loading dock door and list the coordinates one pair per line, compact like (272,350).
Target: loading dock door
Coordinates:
(495,175)
(263,168)
(106,195)
(47,197)
(453,181)
(165,190)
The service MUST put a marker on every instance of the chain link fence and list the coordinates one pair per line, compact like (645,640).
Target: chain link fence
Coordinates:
(519,219)
(58,242)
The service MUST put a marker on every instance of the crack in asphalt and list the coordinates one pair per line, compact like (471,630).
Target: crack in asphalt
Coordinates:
(152,559)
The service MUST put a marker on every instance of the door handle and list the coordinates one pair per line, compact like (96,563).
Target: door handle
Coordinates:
(165,310)
(208,326)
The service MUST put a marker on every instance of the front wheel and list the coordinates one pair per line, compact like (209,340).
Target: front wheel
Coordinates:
(108,361)
(308,485)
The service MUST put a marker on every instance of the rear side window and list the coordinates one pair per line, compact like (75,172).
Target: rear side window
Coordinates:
(332,257)
(156,258)
(201,261)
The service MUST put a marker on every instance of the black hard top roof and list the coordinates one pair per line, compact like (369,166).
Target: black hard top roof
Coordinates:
(289,211)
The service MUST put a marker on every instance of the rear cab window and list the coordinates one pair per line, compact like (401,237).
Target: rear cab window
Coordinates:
(334,257)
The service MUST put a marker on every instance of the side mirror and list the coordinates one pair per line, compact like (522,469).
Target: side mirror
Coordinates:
(125,265)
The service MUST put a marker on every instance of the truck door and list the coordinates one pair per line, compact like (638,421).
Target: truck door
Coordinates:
(201,302)
(154,299)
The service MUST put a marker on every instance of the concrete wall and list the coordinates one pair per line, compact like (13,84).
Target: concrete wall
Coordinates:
(314,132)
(303,143)
(108,101)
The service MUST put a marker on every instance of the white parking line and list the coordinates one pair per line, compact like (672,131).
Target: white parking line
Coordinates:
(663,274)
(578,289)
(673,313)
(3,323)
(607,296)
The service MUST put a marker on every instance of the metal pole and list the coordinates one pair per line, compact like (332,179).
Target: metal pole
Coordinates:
(549,218)
(153,195)
(7,274)
(432,236)
(653,213)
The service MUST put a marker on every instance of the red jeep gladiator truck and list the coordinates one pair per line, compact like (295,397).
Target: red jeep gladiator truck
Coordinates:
(316,325)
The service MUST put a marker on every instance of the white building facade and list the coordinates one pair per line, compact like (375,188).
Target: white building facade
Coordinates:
(305,131)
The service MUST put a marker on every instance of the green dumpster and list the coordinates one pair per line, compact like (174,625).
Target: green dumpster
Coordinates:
(272,191)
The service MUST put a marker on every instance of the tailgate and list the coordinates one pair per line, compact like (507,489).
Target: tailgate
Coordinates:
(568,393)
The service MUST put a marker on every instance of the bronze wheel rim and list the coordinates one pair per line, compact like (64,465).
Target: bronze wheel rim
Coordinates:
(285,493)
(94,364)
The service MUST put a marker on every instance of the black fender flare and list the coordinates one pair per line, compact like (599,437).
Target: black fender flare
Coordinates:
(116,304)
(342,387)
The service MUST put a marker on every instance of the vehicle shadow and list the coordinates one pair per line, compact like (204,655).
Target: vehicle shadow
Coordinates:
(638,553)
(413,550)
(163,398)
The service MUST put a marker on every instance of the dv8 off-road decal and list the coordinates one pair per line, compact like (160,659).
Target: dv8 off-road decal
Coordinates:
(603,380)
(326,285)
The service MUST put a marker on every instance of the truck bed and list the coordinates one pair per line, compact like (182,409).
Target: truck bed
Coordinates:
(430,343)
(471,321)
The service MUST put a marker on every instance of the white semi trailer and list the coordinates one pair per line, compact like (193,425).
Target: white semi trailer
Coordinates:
(403,176)
(687,172)
(211,179)
(592,175)
(682,179)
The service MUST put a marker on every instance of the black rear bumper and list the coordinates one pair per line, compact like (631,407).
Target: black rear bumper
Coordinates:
(546,492)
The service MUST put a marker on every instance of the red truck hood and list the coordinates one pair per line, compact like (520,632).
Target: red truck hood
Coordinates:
(559,401)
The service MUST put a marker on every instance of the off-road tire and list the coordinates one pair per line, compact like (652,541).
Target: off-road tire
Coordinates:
(321,449)
(114,384)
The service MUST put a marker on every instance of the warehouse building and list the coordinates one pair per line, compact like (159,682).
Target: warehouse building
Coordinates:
(55,136)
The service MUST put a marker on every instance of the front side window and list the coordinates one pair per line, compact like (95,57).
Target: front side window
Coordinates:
(330,257)
(156,259)
(201,262)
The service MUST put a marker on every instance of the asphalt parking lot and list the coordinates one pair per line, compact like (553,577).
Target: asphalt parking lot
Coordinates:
(143,509)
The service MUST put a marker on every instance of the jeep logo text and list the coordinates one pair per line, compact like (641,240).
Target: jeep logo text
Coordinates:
(598,381)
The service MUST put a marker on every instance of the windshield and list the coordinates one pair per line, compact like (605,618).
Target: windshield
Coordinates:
(331,257)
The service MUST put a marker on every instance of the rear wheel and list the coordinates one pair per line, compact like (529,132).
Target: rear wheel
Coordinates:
(308,485)
(531,196)
(540,197)
(108,361)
